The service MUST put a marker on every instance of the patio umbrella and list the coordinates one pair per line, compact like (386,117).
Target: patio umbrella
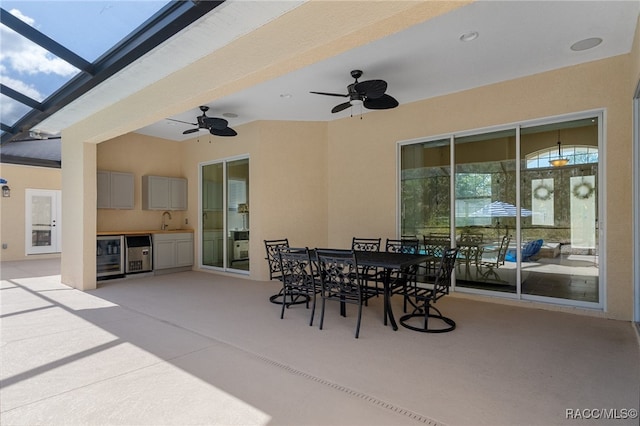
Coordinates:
(500,209)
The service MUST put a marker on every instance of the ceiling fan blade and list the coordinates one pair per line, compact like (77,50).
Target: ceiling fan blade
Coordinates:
(180,121)
(341,107)
(186,132)
(216,123)
(227,131)
(331,94)
(383,102)
(372,89)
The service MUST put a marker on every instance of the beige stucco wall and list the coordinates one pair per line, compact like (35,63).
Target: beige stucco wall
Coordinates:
(288,188)
(362,166)
(12,209)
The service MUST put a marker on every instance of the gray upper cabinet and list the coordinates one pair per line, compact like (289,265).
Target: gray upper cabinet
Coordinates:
(164,193)
(115,190)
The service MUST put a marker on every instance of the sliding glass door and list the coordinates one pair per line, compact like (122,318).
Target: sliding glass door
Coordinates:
(426,200)
(485,210)
(225,214)
(559,181)
(524,212)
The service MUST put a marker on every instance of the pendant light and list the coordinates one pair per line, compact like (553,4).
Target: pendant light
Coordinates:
(560,161)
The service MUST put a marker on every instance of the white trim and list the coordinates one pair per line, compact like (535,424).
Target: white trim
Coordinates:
(518,210)
(225,247)
(636,202)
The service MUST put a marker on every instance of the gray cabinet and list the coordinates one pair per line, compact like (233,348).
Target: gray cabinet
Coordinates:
(164,193)
(115,190)
(172,250)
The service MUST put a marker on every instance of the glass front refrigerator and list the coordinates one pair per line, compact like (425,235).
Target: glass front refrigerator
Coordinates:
(110,256)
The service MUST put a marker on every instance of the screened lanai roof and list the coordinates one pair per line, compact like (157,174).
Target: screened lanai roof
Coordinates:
(52,52)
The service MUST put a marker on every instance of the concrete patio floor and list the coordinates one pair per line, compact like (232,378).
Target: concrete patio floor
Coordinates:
(197,348)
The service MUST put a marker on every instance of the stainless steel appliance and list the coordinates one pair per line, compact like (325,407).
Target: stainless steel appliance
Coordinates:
(110,256)
(240,246)
(138,253)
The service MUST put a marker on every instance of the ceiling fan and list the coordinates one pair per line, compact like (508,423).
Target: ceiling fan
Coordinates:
(215,126)
(369,93)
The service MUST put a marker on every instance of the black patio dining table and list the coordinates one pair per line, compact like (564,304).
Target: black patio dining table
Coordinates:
(389,262)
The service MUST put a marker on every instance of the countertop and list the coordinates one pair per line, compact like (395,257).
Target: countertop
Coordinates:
(155,231)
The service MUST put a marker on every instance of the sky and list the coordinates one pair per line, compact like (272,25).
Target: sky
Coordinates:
(86,27)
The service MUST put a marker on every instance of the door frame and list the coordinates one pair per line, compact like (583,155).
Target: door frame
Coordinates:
(227,267)
(636,202)
(56,214)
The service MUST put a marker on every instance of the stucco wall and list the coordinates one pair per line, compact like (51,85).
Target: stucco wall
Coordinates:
(362,153)
(288,189)
(12,211)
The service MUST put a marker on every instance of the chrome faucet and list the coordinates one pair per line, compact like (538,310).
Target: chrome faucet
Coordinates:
(164,225)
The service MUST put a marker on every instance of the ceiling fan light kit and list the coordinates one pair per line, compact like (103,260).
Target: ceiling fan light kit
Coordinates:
(370,94)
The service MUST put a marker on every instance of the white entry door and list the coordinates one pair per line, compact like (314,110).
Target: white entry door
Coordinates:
(42,221)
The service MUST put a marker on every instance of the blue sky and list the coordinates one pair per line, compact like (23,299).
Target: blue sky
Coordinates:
(88,28)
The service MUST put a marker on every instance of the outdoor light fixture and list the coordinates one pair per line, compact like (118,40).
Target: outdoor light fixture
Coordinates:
(560,161)
(6,191)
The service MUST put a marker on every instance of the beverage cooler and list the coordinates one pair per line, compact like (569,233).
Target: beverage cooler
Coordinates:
(110,256)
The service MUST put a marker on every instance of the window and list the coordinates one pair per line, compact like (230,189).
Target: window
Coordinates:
(577,154)
(473,192)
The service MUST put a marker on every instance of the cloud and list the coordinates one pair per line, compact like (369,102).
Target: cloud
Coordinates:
(20,86)
(21,56)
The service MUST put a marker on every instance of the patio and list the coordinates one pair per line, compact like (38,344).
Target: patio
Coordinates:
(198,348)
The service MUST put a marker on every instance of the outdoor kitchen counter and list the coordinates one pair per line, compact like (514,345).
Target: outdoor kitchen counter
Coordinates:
(155,231)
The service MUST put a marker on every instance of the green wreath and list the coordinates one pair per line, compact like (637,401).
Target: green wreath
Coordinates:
(542,192)
(583,190)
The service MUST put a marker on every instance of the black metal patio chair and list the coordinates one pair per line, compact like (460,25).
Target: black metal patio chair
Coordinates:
(368,274)
(422,297)
(298,279)
(341,281)
(273,248)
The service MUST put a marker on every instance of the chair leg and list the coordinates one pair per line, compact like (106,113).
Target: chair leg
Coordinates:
(284,302)
(359,319)
(425,313)
(313,309)
(322,312)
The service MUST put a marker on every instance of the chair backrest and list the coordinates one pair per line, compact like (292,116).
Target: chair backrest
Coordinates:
(273,248)
(296,267)
(439,236)
(365,244)
(436,244)
(403,246)
(339,271)
(531,249)
(471,238)
(443,275)
(502,251)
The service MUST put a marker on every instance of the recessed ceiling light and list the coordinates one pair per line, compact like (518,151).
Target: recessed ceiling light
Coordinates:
(587,43)
(472,35)
(230,115)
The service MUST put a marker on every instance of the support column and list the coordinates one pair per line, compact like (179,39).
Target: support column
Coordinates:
(79,203)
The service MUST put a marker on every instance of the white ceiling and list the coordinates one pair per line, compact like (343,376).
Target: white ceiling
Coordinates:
(516,39)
